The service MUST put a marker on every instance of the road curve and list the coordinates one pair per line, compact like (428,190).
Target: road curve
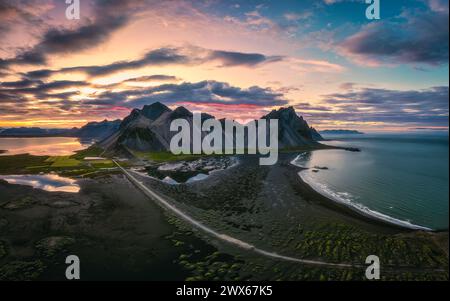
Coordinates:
(223,237)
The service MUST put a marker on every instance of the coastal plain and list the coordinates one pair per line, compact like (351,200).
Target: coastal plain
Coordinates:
(119,233)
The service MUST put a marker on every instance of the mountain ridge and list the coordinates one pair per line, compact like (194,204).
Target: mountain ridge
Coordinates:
(341,131)
(148,129)
(96,130)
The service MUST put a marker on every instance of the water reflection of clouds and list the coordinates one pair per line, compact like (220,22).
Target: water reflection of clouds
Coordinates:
(55,146)
(48,182)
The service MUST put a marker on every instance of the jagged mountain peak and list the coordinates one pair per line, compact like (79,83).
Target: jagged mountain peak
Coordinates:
(282,113)
(154,110)
(149,129)
(151,112)
(293,129)
(180,112)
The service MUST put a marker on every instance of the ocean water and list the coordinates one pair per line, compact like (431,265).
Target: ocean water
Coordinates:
(401,178)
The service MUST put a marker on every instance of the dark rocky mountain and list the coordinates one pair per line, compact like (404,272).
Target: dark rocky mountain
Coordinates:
(316,135)
(98,130)
(293,130)
(154,110)
(148,129)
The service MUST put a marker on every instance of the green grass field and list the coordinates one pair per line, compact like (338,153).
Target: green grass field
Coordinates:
(92,151)
(63,161)
(73,165)
(18,163)
(102,163)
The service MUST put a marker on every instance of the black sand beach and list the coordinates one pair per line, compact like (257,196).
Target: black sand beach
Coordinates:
(119,233)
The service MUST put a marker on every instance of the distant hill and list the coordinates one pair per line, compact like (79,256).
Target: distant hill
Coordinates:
(34,132)
(98,130)
(339,132)
(92,130)
(148,129)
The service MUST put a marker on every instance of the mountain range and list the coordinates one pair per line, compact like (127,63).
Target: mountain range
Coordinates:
(92,130)
(148,129)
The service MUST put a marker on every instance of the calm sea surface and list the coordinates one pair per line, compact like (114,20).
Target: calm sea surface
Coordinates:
(55,146)
(402,178)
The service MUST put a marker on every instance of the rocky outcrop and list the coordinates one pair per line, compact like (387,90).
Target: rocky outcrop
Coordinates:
(293,130)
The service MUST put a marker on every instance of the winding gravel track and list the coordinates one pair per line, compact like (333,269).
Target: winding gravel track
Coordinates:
(226,238)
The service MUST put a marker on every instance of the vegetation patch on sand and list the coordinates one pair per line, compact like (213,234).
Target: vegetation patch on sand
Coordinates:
(63,161)
(165,156)
(70,166)
(92,151)
(21,270)
(203,264)
(3,251)
(50,246)
(3,223)
(103,163)
(19,163)
(20,203)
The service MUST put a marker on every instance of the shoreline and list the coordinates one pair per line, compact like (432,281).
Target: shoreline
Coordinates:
(308,190)
(305,223)
(353,209)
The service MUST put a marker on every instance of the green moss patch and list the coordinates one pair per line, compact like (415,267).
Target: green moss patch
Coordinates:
(63,161)
(21,270)
(20,203)
(3,250)
(19,163)
(51,246)
(166,156)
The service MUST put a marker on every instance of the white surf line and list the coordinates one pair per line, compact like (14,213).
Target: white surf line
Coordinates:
(359,208)
(231,240)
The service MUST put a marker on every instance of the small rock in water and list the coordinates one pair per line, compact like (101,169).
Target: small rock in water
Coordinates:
(320,167)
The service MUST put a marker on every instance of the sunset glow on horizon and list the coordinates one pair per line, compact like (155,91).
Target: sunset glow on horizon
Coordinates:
(231,59)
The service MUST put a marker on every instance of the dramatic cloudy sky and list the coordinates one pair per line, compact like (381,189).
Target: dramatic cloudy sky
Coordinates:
(232,58)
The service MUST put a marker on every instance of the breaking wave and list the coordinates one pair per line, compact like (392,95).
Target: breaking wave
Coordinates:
(348,199)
